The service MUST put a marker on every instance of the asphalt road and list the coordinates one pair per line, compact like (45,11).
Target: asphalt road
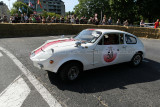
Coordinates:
(113,86)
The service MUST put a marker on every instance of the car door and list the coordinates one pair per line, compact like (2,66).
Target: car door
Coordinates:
(130,42)
(110,50)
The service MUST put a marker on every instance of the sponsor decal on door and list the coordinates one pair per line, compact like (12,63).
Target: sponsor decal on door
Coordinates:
(110,54)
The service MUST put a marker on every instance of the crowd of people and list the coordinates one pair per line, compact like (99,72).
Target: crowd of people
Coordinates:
(23,18)
(69,19)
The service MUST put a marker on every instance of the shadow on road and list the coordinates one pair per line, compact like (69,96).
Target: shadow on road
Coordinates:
(107,78)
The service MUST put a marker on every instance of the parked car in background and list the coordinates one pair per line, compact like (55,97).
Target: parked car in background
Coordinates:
(91,48)
(150,25)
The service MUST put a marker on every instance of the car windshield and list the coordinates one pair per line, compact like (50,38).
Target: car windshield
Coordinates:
(88,36)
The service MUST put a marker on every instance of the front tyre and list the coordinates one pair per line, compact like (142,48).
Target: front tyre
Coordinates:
(136,60)
(70,72)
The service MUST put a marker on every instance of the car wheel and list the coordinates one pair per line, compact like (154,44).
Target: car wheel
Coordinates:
(70,72)
(136,60)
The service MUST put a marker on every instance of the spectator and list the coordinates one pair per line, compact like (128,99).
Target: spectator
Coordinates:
(48,20)
(69,19)
(156,23)
(17,18)
(13,19)
(30,18)
(77,20)
(104,21)
(82,20)
(72,20)
(57,20)
(10,19)
(43,20)
(22,19)
(142,24)
(110,21)
(90,21)
(33,19)
(118,22)
(52,20)
(25,18)
(38,19)
(5,19)
(125,23)
(62,19)
(95,19)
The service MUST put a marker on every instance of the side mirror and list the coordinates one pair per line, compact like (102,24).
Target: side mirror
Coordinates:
(78,44)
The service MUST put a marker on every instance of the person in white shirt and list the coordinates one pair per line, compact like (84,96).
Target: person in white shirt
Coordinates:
(72,19)
(25,18)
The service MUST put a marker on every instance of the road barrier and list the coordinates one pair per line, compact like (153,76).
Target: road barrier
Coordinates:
(28,30)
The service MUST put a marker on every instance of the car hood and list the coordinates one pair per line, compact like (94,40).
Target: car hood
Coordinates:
(50,44)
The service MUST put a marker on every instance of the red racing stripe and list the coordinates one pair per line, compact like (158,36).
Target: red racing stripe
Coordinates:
(51,43)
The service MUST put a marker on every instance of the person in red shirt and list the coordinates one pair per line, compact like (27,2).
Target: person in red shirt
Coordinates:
(156,24)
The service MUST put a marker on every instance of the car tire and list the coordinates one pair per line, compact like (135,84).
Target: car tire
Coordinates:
(136,60)
(70,72)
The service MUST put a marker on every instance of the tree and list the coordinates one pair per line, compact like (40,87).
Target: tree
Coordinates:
(70,13)
(132,10)
(24,7)
(46,14)
(149,9)
(89,7)
(124,10)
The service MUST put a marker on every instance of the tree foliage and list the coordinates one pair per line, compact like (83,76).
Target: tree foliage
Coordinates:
(132,10)
(24,7)
(88,8)
(46,14)
(69,13)
(149,9)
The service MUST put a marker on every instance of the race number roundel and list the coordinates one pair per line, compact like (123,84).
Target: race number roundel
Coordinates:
(110,54)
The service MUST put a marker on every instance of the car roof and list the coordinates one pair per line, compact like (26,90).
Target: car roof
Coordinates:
(111,31)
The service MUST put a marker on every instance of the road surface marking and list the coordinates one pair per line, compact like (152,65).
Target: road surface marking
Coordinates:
(52,102)
(15,94)
(1,54)
(145,61)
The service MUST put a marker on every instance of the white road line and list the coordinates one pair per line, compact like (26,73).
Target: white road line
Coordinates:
(1,54)
(15,94)
(145,61)
(52,102)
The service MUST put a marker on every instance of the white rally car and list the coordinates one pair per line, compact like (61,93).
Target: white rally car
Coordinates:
(91,48)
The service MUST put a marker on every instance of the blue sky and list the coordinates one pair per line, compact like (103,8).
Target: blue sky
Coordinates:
(68,3)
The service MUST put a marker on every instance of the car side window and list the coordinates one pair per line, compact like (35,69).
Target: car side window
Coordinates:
(130,39)
(111,39)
